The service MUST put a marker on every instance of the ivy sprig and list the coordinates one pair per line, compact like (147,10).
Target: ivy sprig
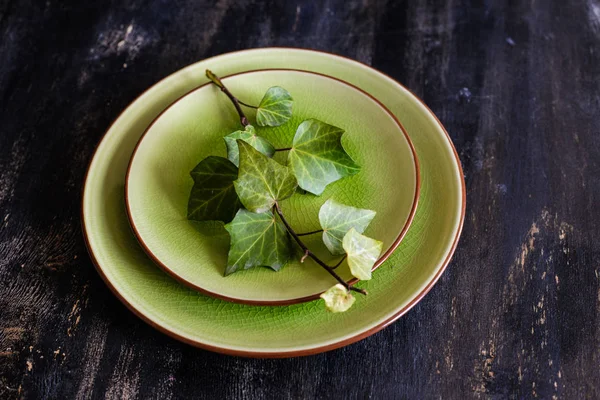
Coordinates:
(245,190)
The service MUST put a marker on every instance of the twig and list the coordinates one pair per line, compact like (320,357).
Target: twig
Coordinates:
(310,233)
(215,79)
(340,262)
(308,253)
(247,105)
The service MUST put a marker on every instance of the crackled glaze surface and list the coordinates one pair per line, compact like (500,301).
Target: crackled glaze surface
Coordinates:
(193,128)
(297,329)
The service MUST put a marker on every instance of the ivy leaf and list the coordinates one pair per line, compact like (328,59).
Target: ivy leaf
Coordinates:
(362,252)
(317,156)
(275,108)
(338,299)
(262,181)
(336,220)
(249,136)
(257,240)
(213,196)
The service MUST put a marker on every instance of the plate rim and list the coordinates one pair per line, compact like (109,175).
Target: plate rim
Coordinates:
(307,351)
(285,302)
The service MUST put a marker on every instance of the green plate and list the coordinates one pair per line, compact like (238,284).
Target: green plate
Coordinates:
(158,183)
(264,331)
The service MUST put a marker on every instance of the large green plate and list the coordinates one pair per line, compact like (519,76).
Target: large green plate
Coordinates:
(158,183)
(264,331)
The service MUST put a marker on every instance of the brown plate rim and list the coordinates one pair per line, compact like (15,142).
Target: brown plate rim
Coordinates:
(293,353)
(285,302)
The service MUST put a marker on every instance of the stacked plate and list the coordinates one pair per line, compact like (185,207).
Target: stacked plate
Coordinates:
(169,271)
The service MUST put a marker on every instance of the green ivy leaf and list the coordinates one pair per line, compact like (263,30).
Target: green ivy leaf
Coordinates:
(317,157)
(262,181)
(338,299)
(362,252)
(249,136)
(275,108)
(257,240)
(336,220)
(213,196)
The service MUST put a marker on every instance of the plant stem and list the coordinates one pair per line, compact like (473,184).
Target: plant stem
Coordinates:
(308,253)
(246,104)
(310,233)
(215,79)
(284,149)
(340,262)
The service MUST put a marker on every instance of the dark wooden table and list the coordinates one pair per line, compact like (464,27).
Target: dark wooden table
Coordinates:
(517,85)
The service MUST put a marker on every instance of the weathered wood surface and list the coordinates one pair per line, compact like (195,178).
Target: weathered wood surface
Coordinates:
(516,83)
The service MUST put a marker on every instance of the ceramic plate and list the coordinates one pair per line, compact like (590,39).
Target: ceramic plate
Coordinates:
(158,183)
(264,331)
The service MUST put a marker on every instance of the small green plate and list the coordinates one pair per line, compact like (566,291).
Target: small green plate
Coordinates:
(158,183)
(263,331)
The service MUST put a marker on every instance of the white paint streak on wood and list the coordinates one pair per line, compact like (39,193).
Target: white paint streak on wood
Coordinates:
(594,15)
(91,360)
(124,383)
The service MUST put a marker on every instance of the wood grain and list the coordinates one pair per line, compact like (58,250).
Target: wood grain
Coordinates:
(516,83)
